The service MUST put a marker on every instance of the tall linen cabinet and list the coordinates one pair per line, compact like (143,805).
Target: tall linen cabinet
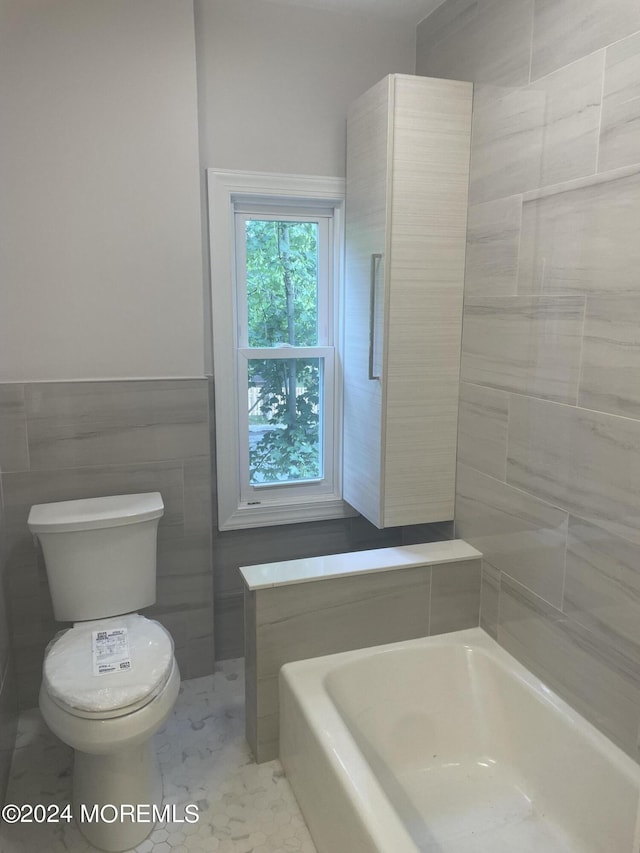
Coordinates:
(408,142)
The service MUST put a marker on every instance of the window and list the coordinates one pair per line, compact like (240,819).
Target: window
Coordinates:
(276,245)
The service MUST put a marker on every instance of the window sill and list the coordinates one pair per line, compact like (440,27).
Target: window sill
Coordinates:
(269,515)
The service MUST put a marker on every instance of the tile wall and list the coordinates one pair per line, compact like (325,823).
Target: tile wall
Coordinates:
(68,440)
(8,694)
(235,548)
(322,617)
(549,435)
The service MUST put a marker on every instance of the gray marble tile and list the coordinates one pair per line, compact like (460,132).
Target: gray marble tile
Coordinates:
(31,619)
(234,548)
(486,42)
(586,462)
(582,236)
(118,403)
(228,624)
(54,446)
(455,597)
(621,106)
(268,720)
(175,621)
(446,20)
(14,452)
(541,134)
(482,429)
(594,677)
(198,517)
(22,490)
(8,726)
(28,686)
(571,120)
(515,532)
(183,590)
(602,589)
(507,137)
(611,356)
(565,30)
(200,657)
(528,345)
(489,599)
(439,531)
(92,423)
(308,620)
(493,240)
(190,555)
(5,643)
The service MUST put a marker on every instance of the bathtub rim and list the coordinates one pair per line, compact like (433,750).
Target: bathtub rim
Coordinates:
(306,682)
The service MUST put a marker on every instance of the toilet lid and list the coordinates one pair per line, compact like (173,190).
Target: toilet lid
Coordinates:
(72,657)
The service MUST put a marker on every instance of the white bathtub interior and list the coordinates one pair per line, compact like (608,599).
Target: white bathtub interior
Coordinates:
(448,744)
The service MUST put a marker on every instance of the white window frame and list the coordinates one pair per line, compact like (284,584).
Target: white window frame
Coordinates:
(231,191)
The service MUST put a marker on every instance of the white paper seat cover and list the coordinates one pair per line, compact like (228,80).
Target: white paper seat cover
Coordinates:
(68,667)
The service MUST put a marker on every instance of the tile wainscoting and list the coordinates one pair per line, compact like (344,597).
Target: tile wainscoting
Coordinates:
(8,692)
(68,440)
(549,430)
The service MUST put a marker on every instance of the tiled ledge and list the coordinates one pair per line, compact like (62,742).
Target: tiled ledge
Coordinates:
(360,599)
(268,575)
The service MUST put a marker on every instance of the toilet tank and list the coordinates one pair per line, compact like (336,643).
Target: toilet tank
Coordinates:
(100,554)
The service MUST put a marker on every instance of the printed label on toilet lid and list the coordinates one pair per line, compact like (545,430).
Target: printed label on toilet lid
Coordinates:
(110,651)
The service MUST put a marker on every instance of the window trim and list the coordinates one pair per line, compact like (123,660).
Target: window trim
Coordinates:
(226,188)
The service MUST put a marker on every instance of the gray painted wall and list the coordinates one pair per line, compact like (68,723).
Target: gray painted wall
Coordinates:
(101,263)
(549,433)
(275,81)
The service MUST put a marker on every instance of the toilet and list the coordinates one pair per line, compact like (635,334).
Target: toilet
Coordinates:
(110,681)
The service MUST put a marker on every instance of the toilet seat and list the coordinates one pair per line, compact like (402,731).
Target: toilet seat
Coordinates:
(69,680)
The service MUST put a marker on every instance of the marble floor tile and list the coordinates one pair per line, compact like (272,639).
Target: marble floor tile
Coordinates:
(243,807)
(621,106)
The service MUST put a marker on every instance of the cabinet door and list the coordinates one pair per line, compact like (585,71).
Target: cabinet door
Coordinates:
(430,169)
(368,177)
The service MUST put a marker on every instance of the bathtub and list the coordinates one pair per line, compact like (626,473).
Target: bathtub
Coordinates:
(448,744)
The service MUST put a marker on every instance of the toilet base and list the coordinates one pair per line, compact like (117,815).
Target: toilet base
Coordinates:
(104,786)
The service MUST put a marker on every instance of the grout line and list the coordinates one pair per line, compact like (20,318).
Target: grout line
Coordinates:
(533,28)
(506,443)
(564,566)
(519,252)
(581,359)
(604,68)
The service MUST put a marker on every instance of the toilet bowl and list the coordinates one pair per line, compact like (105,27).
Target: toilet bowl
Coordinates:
(111,681)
